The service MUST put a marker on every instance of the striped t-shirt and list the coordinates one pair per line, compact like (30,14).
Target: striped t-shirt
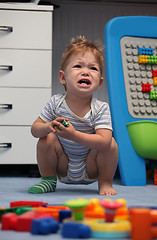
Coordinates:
(97,117)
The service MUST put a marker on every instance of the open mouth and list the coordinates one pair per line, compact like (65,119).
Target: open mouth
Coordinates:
(84,82)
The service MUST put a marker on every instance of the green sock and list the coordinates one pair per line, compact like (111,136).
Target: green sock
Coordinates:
(47,184)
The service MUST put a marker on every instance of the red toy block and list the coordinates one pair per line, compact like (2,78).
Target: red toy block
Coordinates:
(146,87)
(27,203)
(154,73)
(155,176)
(24,220)
(9,221)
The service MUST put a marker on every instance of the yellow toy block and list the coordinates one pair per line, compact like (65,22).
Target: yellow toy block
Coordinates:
(142,59)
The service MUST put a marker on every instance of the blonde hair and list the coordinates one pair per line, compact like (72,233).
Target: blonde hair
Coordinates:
(82,45)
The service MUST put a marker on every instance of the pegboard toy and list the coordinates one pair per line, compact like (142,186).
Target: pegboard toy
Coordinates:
(131,59)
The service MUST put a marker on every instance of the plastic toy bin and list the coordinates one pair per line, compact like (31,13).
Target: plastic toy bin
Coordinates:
(143,136)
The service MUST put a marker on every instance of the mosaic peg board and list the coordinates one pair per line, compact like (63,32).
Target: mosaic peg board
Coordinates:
(139,60)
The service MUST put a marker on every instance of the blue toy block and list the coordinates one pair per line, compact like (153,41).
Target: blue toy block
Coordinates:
(146,51)
(44,226)
(63,214)
(75,230)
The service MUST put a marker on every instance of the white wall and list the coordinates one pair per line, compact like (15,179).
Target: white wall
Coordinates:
(88,18)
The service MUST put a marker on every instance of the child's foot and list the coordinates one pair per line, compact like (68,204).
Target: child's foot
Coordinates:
(105,188)
(47,184)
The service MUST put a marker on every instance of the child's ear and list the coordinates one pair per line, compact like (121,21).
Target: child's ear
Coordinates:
(62,77)
(101,80)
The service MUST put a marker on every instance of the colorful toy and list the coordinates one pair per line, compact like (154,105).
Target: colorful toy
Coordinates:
(130,44)
(110,209)
(78,207)
(64,123)
(109,227)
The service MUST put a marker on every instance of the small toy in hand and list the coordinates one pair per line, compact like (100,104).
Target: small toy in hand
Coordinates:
(64,122)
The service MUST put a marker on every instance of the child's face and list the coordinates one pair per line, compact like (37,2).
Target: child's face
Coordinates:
(81,75)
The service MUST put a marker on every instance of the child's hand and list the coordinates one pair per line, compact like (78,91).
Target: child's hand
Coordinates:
(55,124)
(65,132)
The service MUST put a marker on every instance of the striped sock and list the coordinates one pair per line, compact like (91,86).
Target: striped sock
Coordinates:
(47,184)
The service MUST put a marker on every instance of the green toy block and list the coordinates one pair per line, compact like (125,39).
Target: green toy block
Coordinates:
(64,123)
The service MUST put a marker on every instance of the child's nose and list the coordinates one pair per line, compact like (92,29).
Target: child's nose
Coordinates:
(85,72)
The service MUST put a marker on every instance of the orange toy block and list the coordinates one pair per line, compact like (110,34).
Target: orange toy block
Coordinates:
(94,210)
(52,210)
(141,223)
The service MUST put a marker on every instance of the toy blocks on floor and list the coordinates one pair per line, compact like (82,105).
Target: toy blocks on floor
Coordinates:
(79,218)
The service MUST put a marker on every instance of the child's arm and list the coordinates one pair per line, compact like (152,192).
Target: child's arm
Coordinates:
(100,140)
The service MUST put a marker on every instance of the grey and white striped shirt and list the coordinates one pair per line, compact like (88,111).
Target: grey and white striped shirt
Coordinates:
(97,117)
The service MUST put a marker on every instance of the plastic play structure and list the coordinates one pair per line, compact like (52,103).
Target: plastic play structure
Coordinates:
(131,67)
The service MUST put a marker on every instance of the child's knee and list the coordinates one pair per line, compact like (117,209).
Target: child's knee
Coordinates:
(114,146)
(47,142)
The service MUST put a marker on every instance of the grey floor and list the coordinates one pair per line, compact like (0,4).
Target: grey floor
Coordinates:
(15,189)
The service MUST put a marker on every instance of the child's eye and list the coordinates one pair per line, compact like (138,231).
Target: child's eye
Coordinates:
(94,68)
(77,66)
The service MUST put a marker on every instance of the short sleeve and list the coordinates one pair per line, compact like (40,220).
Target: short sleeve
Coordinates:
(48,113)
(102,116)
